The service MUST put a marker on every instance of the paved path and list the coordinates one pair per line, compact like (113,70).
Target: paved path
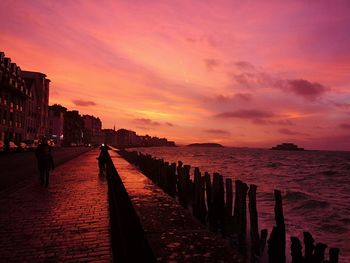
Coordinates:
(19,169)
(68,222)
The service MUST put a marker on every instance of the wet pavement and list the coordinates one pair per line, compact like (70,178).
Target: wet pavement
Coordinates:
(172,232)
(68,222)
(18,169)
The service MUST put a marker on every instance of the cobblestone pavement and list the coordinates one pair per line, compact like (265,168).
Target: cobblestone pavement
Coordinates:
(68,222)
(19,169)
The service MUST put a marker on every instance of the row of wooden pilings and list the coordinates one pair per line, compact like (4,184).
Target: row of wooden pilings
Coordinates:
(211,200)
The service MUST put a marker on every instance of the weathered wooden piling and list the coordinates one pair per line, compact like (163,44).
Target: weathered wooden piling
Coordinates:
(263,238)
(309,246)
(172,179)
(318,256)
(253,215)
(202,207)
(198,206)
(209,199)
(277,240)
(208,188)
(228,223)
(236,208)
(183,184)
(296,250)
(187,184)
(218,201)
(197,187)
(333,255)
(161,173)
(242,222)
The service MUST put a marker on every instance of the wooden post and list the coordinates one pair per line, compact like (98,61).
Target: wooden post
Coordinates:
(254,227)
(214,201)
(228,223)
(333,255)
(243,214)
(166,177)
(221,202)
(172,179)
(297,256)
(236,209)
(309,246)
(180,183)
(273,246)
(277,241)
(208,187)
(202,208)
(186,184)
(218,201)
(197,189)
(319,253)
(209,195)
(263,237)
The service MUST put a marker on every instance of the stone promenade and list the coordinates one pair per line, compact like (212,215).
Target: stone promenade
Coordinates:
(68,222)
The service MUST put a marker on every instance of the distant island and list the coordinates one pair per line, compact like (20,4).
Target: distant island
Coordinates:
(287,147)
(205,145)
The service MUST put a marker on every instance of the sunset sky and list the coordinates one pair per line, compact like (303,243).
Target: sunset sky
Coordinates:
(241,73)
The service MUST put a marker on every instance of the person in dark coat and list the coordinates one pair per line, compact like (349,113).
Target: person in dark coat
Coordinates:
(102,159)
(45,162)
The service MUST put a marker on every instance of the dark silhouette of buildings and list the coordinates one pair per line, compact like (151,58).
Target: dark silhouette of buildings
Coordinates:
(13,94)
(24,102)
(124,138)
(36,124)
(92,130)
(81,130)
(56,123)
(287,147)
(109,136)
(73,128)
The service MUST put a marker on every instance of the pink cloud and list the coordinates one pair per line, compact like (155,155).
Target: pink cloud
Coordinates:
(217,131)
(246,114)
(306,89)
(289,132)
(244,65)
(245,97)
(84,103)
(345,126)
(144,121)
(211,63)
(273,122)
(342,105)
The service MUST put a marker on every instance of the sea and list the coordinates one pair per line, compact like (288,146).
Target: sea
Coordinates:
(315,186)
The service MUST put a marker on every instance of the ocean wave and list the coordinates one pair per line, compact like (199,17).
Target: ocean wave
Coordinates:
(266,196)
(295,195)
(274,164)
(329,173)
(333,228)
(312,204)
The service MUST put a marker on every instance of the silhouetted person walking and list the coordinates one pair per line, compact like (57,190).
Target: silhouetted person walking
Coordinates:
(45,162)
(102,159)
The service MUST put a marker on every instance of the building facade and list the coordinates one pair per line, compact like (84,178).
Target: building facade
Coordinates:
(56,123)
(92,130)
(13,96)
(36,107)
(73,128)
(110,136)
